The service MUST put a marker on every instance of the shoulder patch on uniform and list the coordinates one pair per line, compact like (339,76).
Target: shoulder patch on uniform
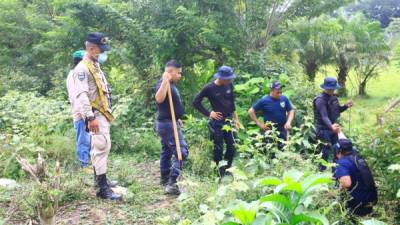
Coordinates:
(283,104)
(81,76)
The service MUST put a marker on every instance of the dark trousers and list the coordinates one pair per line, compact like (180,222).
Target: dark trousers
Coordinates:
(328,138)
(358,208)
(166,132)
(218,135)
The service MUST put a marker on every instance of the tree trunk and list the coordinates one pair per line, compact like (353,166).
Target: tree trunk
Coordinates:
(311,70)
(342,77)
(361,88)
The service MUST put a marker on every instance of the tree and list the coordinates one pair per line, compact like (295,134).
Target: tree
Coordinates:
(371,48)
(346,55)
(314,42)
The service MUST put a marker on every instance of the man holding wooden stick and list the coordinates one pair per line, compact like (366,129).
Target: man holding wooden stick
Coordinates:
(170,112)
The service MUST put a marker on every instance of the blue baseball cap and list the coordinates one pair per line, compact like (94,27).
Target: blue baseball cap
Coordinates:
(330,83)
(225,73)
(99,39)
(276,85)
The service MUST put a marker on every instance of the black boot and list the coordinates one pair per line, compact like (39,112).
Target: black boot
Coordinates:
(222,171)
(105,191)
(164,180)
(111,183)
(172,188)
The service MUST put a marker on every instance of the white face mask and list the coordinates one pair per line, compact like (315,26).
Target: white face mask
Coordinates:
(102,57)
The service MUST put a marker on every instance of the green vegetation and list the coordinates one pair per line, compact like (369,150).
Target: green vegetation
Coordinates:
(296,42)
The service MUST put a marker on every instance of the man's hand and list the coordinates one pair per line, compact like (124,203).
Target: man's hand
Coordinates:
(335,128)
(167,76)
(349,103)
(93,126)
(180,122)
(263,126)
(287,126)
(216,115)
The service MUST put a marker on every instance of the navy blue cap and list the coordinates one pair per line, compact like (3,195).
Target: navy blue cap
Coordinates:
(330,83)
(344,146)
(276,85)
(99,39)
(225,73)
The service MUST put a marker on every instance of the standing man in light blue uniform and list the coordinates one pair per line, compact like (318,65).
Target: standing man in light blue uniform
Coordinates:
(82,136)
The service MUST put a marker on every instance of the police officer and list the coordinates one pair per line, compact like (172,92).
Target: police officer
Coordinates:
(82,137)
(277,109)
(93,98)
(169,173)
(326,113)
(354,175)
(220,94)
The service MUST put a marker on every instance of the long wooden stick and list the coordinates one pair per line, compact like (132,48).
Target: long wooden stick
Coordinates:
(171,106)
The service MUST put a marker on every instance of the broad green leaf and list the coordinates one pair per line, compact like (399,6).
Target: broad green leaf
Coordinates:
(254,91)
(278,198)
(316,179)
(292,175)
(270,181)
(245,212)
(280,213)
(295,186)
(309,217)
(263,219)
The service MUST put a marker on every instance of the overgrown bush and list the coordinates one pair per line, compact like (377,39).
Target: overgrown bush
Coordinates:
(382,151)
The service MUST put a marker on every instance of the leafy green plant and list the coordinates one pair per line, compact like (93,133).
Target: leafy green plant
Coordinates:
(291,201)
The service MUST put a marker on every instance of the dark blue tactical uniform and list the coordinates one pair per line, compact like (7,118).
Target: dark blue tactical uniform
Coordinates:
(165,130)
(363,190)
(326,112)
(222,100)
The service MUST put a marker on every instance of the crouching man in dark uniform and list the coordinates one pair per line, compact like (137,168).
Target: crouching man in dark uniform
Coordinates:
(354,175)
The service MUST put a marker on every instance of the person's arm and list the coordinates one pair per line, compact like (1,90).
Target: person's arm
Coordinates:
(197,103)
(290,116)
(347,105)
(163,89)
(288,124)
(341,135)
(236,120)
(342,174)
(345,182)
(253,116)
(81,83)
(322,109)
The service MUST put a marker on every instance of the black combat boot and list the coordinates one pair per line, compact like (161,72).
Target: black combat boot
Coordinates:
(105,191)
(164,180)
(172,188)
(111,183)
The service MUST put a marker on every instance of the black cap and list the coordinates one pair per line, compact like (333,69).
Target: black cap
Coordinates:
(276,85)
(99,39)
